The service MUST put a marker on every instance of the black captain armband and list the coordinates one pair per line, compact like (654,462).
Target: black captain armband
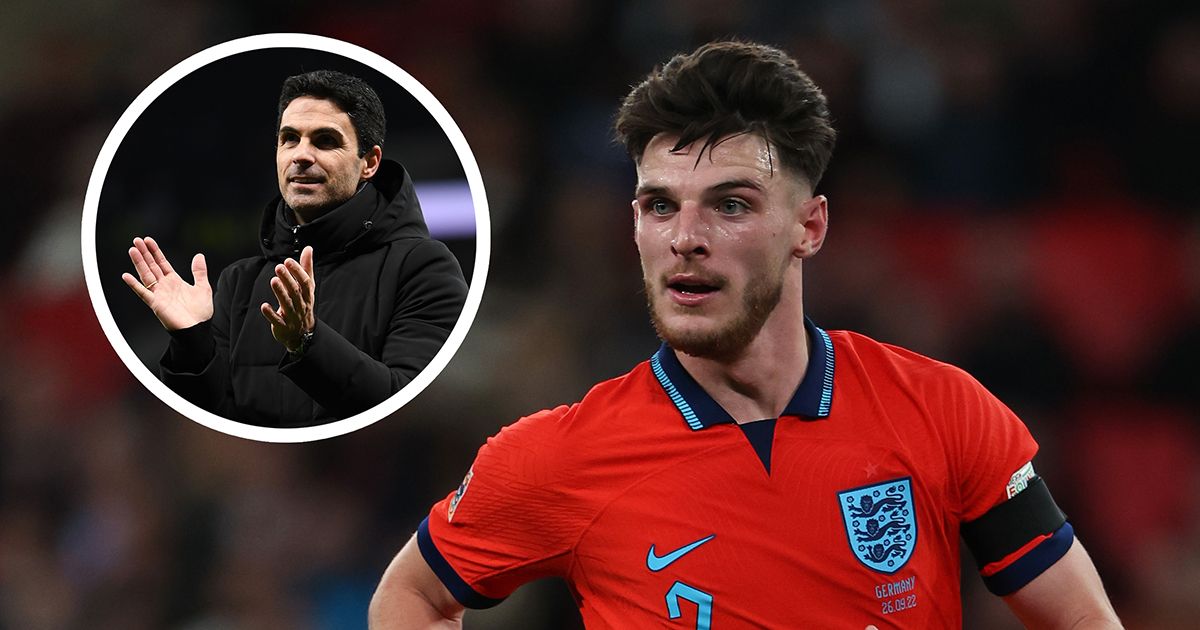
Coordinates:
(1028,516)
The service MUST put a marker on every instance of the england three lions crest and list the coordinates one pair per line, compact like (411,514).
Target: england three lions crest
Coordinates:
(881,523)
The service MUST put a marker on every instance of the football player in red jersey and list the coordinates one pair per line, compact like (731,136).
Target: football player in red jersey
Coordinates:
(756,471)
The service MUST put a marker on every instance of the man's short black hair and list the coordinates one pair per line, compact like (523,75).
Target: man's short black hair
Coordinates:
(731,87)
(351,94)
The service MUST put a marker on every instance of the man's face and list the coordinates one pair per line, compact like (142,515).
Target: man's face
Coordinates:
(717,239)
(316,157)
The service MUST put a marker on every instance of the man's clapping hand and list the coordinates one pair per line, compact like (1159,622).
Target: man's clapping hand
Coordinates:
(175,303)
(295,287)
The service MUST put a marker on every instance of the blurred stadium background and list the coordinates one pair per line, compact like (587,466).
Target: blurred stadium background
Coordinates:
(1014,191)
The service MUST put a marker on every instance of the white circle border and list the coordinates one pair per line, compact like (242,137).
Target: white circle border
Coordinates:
(91,206)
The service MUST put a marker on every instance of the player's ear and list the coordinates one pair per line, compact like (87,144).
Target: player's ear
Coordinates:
(371,162)
(811,225)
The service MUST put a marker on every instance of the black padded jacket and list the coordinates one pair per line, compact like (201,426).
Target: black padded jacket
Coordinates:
(387,296)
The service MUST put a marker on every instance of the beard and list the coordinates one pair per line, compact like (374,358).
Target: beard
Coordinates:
(309,208)
(726,341)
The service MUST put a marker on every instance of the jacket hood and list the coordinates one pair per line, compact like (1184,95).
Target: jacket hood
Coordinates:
(385,209)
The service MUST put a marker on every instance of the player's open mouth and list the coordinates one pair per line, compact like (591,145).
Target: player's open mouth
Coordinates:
(689,290)
(691,287)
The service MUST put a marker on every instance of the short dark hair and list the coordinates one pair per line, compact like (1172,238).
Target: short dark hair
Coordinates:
(351,94)
(732,87)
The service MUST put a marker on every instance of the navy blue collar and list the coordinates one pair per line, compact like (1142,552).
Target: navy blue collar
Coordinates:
(811,400)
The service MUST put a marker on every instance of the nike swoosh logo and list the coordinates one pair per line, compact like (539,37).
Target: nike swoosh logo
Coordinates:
(658,563)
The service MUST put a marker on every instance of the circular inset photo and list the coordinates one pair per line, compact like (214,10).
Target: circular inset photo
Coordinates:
(285,237)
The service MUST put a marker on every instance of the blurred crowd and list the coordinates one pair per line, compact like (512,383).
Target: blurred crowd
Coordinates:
(1014,191)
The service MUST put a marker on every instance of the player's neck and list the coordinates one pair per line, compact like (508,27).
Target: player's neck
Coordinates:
(760,381)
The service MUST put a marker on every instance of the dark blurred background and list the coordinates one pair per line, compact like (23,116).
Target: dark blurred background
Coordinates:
(1013,191)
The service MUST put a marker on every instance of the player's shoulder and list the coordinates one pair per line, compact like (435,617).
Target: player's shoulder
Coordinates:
(621,396)
(575,427)
(917,390)
(880,362)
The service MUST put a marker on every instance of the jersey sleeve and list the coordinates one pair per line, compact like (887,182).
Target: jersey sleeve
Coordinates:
(515,518)
(1009,519)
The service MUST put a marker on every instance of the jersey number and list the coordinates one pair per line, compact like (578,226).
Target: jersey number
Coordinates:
(702,600)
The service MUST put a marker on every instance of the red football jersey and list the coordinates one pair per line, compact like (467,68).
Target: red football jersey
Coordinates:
(660,511)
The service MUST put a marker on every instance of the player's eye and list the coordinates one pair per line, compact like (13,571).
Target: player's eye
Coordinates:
(326,142)
(287,139)
(732,206)
(660,206)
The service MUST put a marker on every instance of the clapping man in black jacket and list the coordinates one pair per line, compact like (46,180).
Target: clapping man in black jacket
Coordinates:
(350,297)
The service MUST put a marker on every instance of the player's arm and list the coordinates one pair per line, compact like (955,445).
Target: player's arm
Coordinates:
(1025,547)
(411,596)
(1028,555)
(1067,595)
(514,518)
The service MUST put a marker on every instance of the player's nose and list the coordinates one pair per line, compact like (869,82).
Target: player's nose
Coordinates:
(303,153)
(690,232)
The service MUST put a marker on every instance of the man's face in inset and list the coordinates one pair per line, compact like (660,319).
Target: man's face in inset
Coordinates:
(716,238)
(316,157)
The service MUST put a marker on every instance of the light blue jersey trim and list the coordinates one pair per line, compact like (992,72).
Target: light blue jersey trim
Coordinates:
(827,384)
(676,397)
